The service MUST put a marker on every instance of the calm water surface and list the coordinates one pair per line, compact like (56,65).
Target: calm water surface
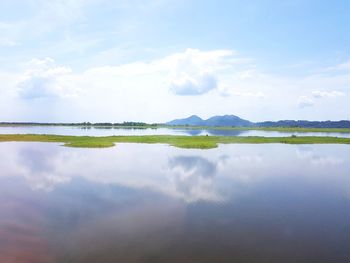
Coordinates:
(156,203)
(93,131)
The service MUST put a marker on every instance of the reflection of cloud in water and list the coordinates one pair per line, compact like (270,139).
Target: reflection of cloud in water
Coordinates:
(45,166)
(247,159)
(42,166)
(189,175)
(193,164)
(193,177)
(307,153)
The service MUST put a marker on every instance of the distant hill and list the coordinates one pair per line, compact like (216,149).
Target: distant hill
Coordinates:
(193,120)
(305,124)
(232,120)
(225,120)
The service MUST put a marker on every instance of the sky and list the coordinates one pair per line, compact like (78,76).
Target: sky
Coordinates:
(157,60)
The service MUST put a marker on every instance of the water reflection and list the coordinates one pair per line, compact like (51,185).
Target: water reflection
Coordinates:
(309,155)
(228,133)
(109,131)
(41,166)
(155,203)
(193,177)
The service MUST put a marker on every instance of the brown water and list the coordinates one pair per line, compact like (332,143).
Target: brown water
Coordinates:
(155,203)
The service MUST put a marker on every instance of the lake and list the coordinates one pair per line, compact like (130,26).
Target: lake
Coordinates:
(94,131)
(155,203)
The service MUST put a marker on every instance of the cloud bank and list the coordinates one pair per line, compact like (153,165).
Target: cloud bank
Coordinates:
(43,79)
(193,81)
(193,85)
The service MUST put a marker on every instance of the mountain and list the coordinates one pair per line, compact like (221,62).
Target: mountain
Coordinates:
(225,120)
(193,120)
(305,124)
(232,120)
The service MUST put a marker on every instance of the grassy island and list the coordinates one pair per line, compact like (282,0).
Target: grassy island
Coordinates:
(199,142)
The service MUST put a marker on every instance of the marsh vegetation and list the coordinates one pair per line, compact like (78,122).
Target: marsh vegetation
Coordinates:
(202,142)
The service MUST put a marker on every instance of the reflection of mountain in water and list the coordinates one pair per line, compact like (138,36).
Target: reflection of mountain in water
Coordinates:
(122,128)
(225,132)
(196,132)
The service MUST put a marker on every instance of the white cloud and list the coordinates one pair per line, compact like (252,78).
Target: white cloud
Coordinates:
(247,74)
(304,101)
(308,101)
(190,61)
(193,85)
(327,94)
(222,82)
(192,72)
(195,71)
(43,79)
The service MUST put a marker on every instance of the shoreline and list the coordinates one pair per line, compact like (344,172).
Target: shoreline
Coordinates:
(184,127)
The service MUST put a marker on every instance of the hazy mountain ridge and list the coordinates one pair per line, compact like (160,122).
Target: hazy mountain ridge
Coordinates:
(225,120)
(305,124)
(232,120)
(193,120)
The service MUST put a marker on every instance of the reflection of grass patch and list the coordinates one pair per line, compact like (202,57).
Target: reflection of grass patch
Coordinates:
(200,142)
(92,144)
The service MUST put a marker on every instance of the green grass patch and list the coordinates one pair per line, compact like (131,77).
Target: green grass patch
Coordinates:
(199,142)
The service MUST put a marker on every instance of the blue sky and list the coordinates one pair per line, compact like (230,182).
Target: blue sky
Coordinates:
(155,60)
